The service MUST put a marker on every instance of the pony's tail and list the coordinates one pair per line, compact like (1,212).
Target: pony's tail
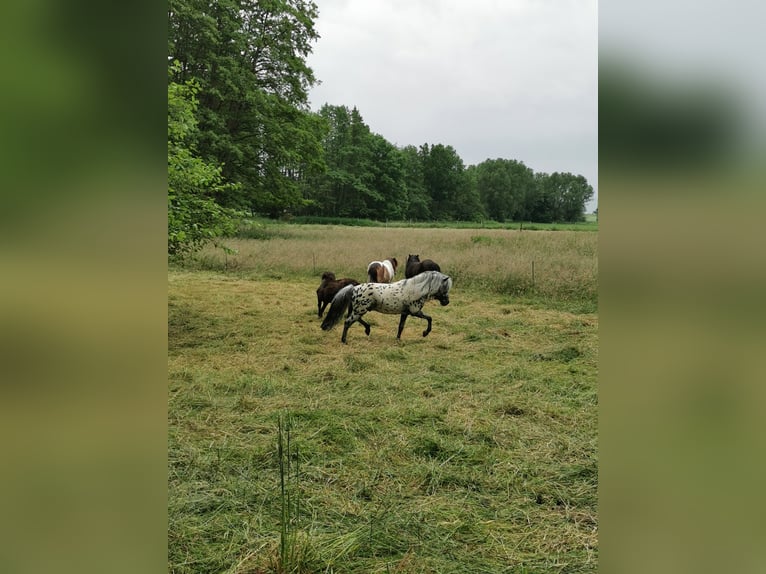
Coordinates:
(372,272)
(338,306)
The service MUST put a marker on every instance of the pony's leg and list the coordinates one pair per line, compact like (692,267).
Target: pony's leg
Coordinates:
(346,324)
(366,326)
(352,318)
(427,318)
(320,309)
(350,321)
(402,320)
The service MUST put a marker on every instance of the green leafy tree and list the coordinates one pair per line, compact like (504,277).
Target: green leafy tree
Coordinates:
(365,173)
(504,187)
(345,189)
(444,180)
(194,217)
(575,193)
(417,200)
(249,59)
(560,197)
(388,179)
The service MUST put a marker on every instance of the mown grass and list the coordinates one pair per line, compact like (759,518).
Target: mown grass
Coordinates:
(471,450)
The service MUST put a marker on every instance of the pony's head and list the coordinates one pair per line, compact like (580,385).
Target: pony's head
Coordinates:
(413,259)
(440,284)
(393,262)
(328,276)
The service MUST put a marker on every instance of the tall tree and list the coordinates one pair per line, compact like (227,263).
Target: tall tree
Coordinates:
(346,188)
(194,217)
(365,174)
(560,197)
(418,202)
(504,186)
(575,192)
(249,57)
(451,194)
(388,179)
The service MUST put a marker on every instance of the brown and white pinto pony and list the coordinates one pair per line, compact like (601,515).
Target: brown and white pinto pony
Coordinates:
(382,271)
(328,288)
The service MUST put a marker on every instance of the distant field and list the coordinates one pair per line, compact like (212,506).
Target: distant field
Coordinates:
(471,450)
(590,224)
(554,267)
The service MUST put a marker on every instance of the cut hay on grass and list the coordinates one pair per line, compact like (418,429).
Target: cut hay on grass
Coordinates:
(471,450)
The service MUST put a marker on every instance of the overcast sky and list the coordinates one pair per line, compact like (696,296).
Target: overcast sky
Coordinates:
(511,79)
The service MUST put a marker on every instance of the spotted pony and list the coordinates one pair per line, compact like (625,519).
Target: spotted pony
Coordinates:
(406,297)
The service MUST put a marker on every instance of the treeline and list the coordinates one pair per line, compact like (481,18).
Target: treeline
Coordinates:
(367,176)
(241,137)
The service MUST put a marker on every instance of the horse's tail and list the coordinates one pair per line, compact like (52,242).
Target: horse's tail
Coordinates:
(372,272)
(339,304)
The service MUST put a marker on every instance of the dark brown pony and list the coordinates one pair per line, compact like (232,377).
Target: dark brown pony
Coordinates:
(382,271)
(328,288)
(415,266)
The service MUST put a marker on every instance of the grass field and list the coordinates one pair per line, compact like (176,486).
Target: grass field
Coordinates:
(471,450)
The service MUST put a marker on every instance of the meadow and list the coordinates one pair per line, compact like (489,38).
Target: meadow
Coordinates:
(471,450)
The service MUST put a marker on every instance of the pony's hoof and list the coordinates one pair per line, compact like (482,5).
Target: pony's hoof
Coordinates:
(425,333)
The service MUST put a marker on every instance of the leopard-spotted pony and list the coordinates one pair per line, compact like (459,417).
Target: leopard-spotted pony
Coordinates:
(405,297)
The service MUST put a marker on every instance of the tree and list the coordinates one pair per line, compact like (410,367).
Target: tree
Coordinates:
(443,179)
(418,202)
(575,192)
(365,172)
(345,189)
(388,179)
(505,188)
(560,197)
(249,59)
(194,217)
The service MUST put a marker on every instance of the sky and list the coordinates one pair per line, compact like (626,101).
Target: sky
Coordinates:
(511,79)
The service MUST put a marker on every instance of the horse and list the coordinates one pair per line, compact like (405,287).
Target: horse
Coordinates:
(415,265)
(405,297)
(328,288)
(382,271)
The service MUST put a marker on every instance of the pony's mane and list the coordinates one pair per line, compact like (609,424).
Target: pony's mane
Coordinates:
(432,281)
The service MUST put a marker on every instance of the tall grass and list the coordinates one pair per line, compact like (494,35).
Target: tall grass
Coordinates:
(547,265)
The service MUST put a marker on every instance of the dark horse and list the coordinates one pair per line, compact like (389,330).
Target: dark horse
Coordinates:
(328,288)
(415,266)
(405,298)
